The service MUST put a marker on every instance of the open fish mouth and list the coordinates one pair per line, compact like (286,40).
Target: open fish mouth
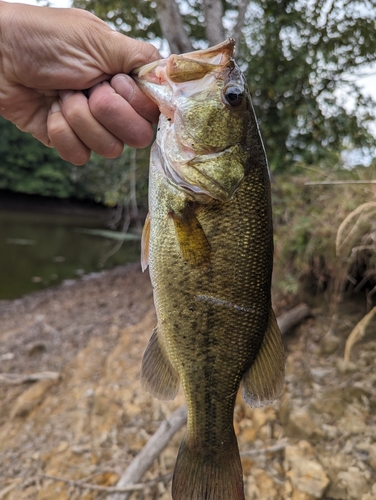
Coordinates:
(161,79)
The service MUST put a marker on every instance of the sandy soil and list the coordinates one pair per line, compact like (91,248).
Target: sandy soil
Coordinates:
(88,424)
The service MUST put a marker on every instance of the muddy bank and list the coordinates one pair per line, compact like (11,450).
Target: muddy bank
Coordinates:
(90,422)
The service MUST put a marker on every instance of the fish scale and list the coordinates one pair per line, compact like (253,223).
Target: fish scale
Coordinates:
(209,244)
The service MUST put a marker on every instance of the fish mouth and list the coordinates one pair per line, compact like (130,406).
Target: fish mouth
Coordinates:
(159,79)
(189,66)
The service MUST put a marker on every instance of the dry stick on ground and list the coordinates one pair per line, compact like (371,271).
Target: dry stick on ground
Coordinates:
(153,448)
(15,378)
(260,451)
(108,489)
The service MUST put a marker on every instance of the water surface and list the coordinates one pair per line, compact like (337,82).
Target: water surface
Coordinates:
(41,243)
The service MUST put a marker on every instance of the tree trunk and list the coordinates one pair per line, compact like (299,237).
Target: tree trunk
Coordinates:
(237,31)
(213,11)
(172,26)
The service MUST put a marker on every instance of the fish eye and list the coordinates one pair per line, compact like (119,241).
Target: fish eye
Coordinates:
(234,95)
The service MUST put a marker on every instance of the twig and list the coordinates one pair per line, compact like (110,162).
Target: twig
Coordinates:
(270,449)
(109,489)
(153,448)
(4,492)
(16,379)
(327,183)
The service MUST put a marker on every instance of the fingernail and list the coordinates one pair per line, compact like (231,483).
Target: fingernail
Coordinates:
(55,107)
(122,86)
(64,94)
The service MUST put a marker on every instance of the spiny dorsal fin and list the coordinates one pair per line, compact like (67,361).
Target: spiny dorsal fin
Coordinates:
(145,239)
(158,376)
(193,243)
(263,382)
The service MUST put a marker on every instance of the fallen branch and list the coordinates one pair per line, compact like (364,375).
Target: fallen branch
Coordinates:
(153,448)
(108,489)
(16,379)
(292,318)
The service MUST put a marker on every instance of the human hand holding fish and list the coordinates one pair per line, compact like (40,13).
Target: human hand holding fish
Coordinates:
(64,78)
(209,244)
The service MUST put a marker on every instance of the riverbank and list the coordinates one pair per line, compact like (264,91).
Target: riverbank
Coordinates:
(88,422)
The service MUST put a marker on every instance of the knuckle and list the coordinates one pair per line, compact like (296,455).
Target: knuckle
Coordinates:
(72,110)
(110,149)
(101,103)
(77,157)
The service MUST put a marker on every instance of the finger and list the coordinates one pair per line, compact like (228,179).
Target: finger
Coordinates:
(63,139)
(122,54)
(89,130)
(119,117)
(127,88)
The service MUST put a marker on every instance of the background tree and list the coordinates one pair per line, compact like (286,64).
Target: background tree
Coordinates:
(300,59)
(28,166)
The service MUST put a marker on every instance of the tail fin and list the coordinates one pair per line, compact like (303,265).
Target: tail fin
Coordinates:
(201,475)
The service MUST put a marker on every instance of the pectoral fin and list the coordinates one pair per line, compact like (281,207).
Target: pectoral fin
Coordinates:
(158,376)
(263,382)
(145,244)
(193,243)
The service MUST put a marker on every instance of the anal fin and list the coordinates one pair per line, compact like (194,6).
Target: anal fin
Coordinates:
(263,382)
(158,376)
(193,243)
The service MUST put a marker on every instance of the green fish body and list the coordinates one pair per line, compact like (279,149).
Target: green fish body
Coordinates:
(208,241)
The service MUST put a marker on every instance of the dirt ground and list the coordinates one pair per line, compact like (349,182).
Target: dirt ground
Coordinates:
(87,423)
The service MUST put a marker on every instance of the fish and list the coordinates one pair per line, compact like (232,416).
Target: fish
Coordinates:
(208,242)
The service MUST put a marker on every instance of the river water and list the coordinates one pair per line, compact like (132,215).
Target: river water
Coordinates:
(43,242)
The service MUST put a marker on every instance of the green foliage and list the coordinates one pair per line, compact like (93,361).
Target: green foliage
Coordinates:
(117,181)
(299,58)
(28,166)
(306,220)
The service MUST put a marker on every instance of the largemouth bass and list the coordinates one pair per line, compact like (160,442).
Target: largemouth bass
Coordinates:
(209,245)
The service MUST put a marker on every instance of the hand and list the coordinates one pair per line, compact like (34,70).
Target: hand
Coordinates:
(48,57)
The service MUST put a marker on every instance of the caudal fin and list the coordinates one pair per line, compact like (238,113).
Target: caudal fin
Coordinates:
(201,475)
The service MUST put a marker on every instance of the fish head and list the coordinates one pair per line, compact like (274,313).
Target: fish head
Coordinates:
(205,109)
